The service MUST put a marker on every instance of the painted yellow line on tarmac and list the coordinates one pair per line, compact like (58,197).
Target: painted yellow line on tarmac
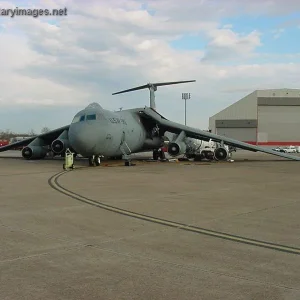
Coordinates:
(53,182)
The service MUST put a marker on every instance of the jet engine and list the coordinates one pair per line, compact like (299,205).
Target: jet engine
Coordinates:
(34,152)
(59,146)
(178,146)
(175,149)
(220,154)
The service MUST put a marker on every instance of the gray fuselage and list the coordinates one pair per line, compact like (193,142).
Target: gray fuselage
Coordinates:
(96,131)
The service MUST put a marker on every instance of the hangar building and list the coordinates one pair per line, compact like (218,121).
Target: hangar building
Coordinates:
(264,117)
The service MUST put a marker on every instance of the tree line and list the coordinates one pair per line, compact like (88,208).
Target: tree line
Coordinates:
(8,134)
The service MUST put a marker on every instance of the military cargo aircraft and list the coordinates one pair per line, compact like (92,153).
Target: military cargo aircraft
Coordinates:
(96,132)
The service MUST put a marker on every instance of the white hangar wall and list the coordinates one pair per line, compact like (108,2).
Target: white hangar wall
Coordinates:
(264,117)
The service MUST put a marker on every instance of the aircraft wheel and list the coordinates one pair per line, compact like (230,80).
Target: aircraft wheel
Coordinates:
(162,155)
(91,161)
(155,155)
(209,156)
(97,160)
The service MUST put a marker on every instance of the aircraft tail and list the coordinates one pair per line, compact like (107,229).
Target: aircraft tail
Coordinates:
(152,87)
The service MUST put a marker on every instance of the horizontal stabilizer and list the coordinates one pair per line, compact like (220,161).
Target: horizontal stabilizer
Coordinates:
(152,85)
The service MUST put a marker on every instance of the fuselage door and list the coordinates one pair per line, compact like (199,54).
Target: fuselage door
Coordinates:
(123,137)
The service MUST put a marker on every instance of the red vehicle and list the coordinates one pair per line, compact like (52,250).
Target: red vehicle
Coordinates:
(3,143)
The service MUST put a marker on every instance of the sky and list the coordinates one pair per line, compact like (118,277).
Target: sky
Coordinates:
(51,67)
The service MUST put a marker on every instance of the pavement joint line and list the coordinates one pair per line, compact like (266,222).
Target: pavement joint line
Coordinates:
(64,249)
(189,267)
(53,182)
(35,234)
(81,246)
(251,212)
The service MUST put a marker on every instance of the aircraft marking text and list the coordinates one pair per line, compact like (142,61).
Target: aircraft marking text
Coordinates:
(117,121)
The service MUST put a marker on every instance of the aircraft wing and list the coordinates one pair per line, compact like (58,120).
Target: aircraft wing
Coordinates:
(167,125)
(48,137)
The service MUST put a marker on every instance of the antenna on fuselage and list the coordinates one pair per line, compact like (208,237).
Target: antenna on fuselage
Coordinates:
(153,88)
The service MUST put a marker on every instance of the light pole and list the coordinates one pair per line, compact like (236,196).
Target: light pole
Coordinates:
(185,96)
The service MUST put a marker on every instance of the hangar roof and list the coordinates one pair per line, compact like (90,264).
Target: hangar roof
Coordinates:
(245,108)
(278,93)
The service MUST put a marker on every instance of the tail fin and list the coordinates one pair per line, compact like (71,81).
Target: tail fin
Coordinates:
(152,87)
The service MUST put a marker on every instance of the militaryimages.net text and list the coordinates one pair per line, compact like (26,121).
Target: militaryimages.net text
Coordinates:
(33,12)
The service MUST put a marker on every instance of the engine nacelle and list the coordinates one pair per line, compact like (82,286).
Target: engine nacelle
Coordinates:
(176,148)
(34,152)
(221,154)
(59,146)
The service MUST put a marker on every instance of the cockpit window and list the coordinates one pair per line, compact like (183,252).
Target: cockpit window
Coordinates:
(76,119)
(90,117)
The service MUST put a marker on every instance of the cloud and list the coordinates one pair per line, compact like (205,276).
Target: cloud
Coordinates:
(278,32)
(107,46)
(267,8)
(21,89)
(216,9)
(226,44)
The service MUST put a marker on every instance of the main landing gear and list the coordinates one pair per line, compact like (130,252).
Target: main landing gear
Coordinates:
(158,154)
(94,161)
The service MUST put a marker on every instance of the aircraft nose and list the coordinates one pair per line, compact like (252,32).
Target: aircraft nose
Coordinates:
(82,140)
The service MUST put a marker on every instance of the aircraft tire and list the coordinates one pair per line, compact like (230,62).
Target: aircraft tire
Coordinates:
(91,161)
(97,160)
(162,155)
(155,155)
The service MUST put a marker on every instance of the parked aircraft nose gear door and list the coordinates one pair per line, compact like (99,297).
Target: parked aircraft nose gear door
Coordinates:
(122,138)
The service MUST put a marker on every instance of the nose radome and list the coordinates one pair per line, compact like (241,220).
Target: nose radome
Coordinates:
(82,140)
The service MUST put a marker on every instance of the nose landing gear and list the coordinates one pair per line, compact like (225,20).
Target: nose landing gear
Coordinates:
(94,161)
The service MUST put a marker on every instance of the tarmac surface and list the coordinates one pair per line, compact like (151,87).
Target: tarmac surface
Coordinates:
(157,230)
